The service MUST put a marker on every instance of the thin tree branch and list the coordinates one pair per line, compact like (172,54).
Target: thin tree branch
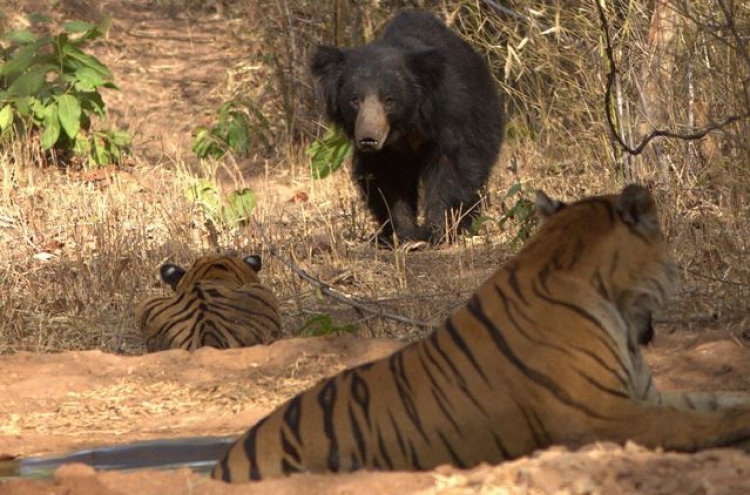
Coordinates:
(505,10)
(637,150)
(700,274)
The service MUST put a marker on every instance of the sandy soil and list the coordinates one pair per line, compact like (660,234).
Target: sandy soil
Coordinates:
(56,403)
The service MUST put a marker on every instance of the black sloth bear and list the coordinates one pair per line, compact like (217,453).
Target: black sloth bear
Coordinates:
(423,111)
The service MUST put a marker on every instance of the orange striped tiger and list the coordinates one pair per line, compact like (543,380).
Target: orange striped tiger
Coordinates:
(219,302)
(547,351)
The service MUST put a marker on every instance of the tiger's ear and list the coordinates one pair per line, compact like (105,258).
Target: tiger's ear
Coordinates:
(545,206)
(637,209)
(172,274)
(254,261)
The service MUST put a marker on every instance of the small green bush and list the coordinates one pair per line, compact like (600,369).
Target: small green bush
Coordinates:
(49,88)
(232,211)
(520,215)
(328,153)
(239,126)
(322,324)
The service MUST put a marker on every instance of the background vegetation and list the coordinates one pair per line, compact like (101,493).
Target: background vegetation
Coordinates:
(598,94)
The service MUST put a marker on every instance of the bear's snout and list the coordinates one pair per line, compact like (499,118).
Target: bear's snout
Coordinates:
(371,129)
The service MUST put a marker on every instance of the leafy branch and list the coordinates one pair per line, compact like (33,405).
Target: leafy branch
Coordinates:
(49,88)
(239,125)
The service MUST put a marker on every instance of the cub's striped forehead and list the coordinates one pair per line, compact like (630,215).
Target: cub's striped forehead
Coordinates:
(232,269)
(219,302)
(592,218)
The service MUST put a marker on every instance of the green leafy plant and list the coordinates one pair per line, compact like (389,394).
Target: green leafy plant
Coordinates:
(322,324)
(328,153)
(521,212)
(231,211)
(49,88)
(239,125)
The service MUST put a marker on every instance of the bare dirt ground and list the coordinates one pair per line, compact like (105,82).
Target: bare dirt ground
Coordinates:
(56,403)
(62,402)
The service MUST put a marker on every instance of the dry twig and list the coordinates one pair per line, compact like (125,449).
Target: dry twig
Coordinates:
(369,307)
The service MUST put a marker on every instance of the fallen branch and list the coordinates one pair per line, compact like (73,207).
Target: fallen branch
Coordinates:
(368,307)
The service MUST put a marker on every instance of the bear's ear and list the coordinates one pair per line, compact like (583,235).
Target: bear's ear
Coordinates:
(326,66)
(428,66)
(327,62)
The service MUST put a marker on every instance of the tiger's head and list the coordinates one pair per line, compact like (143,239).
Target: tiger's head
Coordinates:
(218,302)
(232,270)
(614,243)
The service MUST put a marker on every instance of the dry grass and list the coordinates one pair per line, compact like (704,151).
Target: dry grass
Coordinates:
(140,400)
(681,75)
(81,248)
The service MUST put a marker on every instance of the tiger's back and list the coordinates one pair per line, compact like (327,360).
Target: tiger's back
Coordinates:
(219,302)
(547,351)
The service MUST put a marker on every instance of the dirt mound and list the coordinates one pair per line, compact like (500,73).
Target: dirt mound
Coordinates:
(58,402)
(55,403)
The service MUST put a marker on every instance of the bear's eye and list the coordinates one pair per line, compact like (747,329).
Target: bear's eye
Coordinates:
(354,102)
(388,101)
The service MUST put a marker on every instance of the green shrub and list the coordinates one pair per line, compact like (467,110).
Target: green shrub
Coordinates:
(519,215)
(322,324)
(239,126)
(232,211)
(49,88)
(328,153)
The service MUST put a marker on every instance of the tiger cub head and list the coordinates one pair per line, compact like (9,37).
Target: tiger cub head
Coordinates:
(231,270)
(218,302)
(615,243)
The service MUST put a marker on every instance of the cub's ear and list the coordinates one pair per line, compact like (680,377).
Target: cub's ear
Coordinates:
(254,262)
(172,274)
(428,66)
(545,206)
(637,209)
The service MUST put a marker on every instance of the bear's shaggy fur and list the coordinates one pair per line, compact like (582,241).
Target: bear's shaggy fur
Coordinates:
(423,111)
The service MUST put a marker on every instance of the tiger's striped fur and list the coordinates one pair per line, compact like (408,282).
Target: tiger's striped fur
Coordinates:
(219,302)
(547,351)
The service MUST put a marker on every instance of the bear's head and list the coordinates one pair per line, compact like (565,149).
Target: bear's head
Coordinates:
(379,94)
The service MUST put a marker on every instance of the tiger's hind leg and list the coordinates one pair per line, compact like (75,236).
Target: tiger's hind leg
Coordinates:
(675,428)
(703,401)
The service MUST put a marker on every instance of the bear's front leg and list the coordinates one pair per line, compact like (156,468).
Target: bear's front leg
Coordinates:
(390,189)
(451,201)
